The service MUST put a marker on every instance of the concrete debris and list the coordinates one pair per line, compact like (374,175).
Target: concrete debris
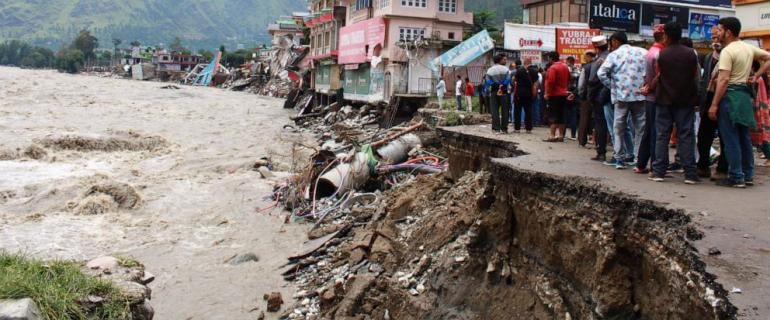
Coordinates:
(131,279)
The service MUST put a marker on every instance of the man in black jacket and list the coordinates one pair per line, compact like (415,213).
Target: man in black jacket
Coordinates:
(599,95)
(708,128)
(526,90)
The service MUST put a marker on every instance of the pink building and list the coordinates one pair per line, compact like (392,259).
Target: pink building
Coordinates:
(416,31)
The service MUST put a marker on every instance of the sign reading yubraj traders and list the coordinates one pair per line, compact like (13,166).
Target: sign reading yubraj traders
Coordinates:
(359,41)
(612,15)
(574,42)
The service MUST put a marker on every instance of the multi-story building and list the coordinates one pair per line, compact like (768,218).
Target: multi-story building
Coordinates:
(386,45)
(635,17)
(287,26)
(325,21)
(176,61)
(755,18)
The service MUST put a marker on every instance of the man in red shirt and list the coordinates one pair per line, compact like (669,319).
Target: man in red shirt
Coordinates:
(556,95)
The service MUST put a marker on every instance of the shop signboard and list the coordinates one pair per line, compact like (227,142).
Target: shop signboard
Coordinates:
(574,42)
(529,37)
(701,24)
(359,40)
(610,15)
(658,14)
(465,52)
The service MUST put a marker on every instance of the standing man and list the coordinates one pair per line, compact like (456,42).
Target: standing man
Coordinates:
(708,128)
(584,127)
(677,95)
(526,91)
(459,92)
(599,96)
(470,91)
(732,106)
(624,73)
(556,95)
(499,81)
(572,104)
(440,92)
(647,146)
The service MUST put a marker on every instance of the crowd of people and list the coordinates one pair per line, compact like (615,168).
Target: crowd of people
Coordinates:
(644,102)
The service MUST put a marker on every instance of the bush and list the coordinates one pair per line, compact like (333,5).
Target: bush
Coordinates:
(70,60)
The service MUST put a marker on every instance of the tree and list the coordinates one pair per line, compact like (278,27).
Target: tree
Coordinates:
(484,20)
(135,43)
(176,45)
(70,60)
(86,43)
(206,54)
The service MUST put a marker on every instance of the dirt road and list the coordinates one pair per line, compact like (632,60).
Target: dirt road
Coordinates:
(123,167)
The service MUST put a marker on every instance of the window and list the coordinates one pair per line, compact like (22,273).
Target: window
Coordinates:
(384,3)
(414,3)
(451,36)
(409,34)
(448,6)
(362,4)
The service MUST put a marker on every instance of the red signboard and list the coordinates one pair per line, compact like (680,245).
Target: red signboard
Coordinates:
(574,42)
(357,41)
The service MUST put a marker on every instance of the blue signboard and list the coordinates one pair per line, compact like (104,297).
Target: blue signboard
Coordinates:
(465,52)
(701,24)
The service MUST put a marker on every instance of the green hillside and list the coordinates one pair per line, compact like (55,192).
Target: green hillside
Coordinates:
(200,23)
(504,9)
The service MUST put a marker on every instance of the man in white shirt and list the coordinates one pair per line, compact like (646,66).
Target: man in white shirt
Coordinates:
(459,93)
(440,92)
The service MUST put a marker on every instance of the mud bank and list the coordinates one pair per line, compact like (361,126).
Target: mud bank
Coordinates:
(490,240)
(604,254)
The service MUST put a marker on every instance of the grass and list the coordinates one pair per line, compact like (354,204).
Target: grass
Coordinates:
(57,286)
(129,262)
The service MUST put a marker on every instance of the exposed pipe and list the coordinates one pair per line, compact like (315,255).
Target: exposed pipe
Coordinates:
(398,150)
(345,177)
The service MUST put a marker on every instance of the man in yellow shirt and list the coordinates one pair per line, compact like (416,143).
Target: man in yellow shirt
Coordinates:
(732,106)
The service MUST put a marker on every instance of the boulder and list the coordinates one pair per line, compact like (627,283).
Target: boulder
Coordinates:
(22,309)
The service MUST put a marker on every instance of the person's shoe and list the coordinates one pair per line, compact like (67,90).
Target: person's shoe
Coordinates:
(610,162)
(704,173)
(529,131)
(731,184)
(638,170)
(620,166)
(750,182)
(692,180)
(631,163)
(718,176)
(572,138)
(654,178)
(599,157)
(676,168)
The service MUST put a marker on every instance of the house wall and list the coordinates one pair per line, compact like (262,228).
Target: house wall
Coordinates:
(431,11)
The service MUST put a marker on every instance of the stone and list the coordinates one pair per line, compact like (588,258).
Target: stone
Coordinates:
(147,278)
(714,251)
(357,255)
(274,302)
(414,292)
(265,172)
(328,297)
(460,259)
(424,264)
(103,264)
(243,258)
(136,292)
(261,315)
(22,309)
(421,288)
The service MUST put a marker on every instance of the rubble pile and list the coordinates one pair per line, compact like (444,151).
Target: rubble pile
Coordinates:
(275,75)
(385,263)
